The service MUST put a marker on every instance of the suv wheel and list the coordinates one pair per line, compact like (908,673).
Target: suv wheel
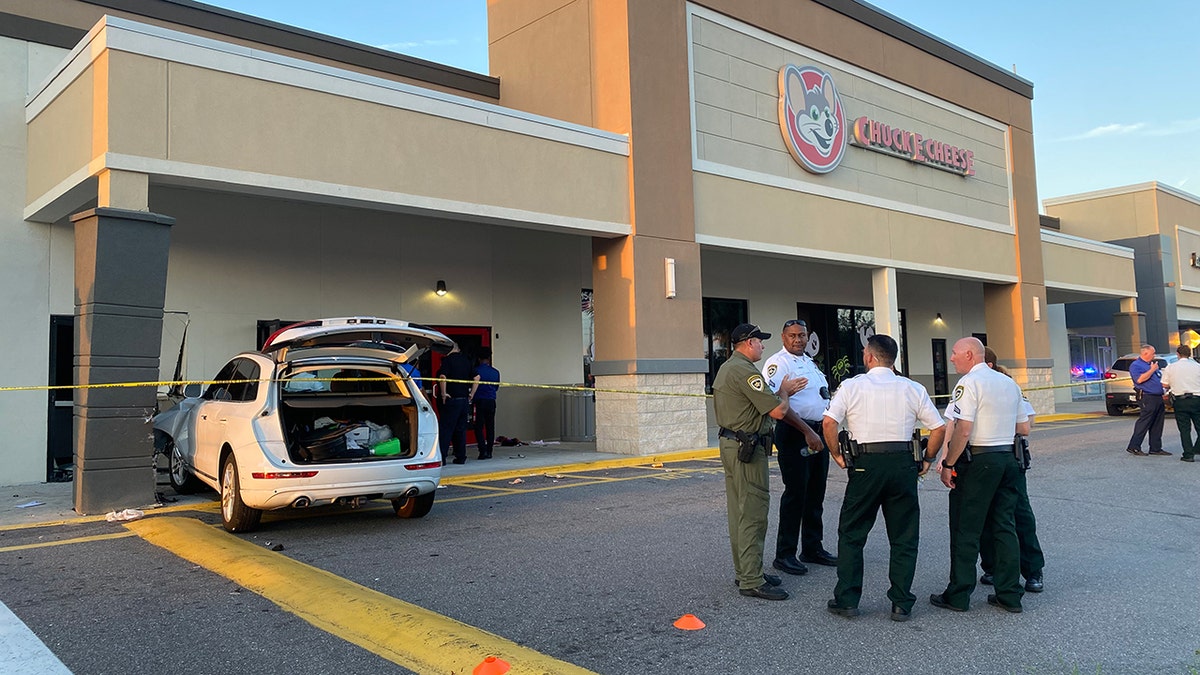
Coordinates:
(1115,410)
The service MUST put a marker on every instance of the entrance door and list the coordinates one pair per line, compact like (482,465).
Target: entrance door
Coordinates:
(941,384)
(470,340)
(59,439)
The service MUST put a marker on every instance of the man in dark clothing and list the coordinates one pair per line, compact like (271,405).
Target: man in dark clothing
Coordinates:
(454,387)
(483,397)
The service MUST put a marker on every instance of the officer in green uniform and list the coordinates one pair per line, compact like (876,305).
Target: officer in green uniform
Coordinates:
(746,409)
(880,409)
(982,473)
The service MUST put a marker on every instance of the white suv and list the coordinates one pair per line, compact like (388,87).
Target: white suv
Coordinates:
(325,414)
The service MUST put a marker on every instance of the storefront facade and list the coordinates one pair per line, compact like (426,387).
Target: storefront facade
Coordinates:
(634,151)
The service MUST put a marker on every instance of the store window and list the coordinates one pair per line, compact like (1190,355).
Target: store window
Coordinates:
(721,316)
(589,335)
(837,335)
(1091,355)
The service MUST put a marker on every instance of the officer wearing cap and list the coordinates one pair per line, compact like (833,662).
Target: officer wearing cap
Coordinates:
(803,464)
(982,473)
(746,409)
(880,410)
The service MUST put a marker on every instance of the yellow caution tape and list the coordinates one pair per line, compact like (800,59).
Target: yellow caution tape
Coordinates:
(174,383)
(556,387)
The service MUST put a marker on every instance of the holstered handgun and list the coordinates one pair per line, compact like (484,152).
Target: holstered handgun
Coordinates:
(918,447)
(848,448)
(1021,451)
(747,445)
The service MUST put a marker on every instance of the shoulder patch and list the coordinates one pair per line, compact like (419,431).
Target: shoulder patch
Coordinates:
(756,382)
(957,410)
(772,369)
(958,392)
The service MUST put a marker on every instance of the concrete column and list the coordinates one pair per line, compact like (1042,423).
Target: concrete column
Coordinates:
(887,306)
(1129,328)
(120,286)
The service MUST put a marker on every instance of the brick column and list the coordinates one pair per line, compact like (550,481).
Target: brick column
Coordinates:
(120,286)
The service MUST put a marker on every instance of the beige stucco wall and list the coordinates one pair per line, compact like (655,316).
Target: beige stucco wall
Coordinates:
(61,139)
(311,131)
(737,124)
(1106,218)
(1069,266)
(25,260)
(825,227)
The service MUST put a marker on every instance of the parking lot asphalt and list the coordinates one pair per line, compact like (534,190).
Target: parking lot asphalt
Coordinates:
(1103,485)
(39,504)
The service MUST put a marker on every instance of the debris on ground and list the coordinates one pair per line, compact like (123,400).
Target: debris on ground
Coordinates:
(515,481)
(31,504)
(123,516)
(656,465)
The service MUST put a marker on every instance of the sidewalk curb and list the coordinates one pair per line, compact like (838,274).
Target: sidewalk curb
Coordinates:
(641,460)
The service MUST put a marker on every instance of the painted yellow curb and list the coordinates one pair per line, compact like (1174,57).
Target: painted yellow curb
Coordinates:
(618,462)
(413,637)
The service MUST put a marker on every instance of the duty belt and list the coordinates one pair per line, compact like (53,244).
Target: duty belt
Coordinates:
(727,433)
(985,449)
(887,448)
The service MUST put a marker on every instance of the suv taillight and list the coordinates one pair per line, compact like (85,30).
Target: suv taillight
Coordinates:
(1110,375)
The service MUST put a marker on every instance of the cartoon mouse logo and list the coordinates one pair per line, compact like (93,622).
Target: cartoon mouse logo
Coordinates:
(811,118)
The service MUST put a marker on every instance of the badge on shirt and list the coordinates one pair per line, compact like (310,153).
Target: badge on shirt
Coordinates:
(958,392)
(771,369)
(755,382)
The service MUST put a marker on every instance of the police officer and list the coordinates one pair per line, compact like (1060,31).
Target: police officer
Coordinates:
(1182,378)
(803,465)
(1031,556)
(745,409)
(982,474)
(880,411)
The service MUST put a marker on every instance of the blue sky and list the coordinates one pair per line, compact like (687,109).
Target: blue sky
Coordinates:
(1116,100)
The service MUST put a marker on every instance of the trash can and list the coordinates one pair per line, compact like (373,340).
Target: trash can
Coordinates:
(578,416)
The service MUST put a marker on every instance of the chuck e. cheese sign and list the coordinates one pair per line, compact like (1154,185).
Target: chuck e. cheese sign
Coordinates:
(814,129)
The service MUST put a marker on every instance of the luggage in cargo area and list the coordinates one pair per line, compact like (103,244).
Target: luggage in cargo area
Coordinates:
(356,431)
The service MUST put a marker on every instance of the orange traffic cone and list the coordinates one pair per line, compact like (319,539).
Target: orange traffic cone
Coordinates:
(492,665)
(689,622)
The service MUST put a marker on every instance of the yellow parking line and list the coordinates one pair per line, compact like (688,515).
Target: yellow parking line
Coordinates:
(411,636)
(204,507)
(64,542)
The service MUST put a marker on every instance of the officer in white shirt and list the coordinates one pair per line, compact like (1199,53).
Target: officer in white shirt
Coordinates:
(1031,556)
(1182,379)
(880,411)
(982,473)
(803,465)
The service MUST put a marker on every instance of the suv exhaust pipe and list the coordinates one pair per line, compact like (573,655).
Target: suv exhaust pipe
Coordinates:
(301,503)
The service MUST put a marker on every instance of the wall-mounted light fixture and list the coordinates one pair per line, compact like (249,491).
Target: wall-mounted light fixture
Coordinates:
(938,319)
(441,288)
(1037,308)
(1195,262)
(670,273)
